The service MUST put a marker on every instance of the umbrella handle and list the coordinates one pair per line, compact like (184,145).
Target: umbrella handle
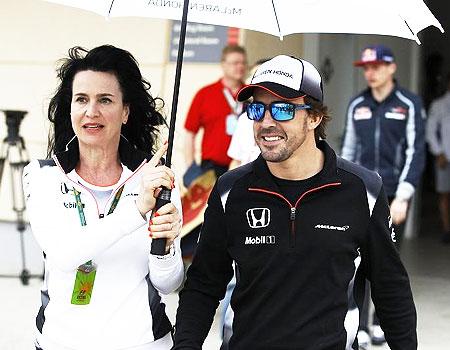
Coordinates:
(159,245)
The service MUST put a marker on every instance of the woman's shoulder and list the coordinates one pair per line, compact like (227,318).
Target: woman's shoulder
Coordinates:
(40,168)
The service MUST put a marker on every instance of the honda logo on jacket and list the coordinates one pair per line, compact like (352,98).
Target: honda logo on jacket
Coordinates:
(258,217)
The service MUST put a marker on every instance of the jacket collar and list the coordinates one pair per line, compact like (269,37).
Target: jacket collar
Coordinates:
(328,174)
(130,156)
(368,94)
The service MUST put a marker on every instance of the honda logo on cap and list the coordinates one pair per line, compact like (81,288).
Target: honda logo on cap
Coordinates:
(258,217)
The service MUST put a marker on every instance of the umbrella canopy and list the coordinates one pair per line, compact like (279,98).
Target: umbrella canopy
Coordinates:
(401,18)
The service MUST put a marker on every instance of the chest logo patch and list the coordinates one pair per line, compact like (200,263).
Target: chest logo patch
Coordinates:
(258,217)
(397,113)
(332,227)
(362,113)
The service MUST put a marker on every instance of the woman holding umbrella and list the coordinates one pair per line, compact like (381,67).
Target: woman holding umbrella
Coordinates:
(89,206)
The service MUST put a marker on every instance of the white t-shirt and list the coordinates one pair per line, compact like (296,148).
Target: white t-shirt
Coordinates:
(243,147)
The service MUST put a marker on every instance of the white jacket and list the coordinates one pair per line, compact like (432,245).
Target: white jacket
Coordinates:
(438,126)
(125,310)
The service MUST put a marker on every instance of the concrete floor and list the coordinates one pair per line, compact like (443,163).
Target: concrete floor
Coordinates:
(427,261)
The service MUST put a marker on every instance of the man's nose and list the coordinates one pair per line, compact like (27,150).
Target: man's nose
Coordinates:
(267,120)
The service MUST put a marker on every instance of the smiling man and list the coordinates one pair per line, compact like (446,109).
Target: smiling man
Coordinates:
(385,132)
(304,229)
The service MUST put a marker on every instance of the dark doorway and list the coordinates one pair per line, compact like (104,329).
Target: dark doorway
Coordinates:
(435,65)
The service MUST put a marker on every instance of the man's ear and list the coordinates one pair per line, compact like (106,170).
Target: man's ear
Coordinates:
(393,68)
(314,121)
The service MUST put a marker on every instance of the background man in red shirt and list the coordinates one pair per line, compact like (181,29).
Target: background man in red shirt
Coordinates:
(214,108)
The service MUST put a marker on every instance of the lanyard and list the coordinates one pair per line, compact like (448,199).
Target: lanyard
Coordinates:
(81,211)
(235,106)
(80,205)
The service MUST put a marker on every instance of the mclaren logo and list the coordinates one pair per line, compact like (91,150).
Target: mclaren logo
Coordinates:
(331,227)
(260,240)
(258,217)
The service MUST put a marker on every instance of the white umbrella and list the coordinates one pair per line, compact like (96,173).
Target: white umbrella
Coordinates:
(402,18)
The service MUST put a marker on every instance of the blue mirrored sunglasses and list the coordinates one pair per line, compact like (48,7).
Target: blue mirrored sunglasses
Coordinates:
(280,111)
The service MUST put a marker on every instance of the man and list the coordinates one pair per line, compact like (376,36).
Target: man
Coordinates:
(215,109)
(304,228)
(385,133)
(438,137)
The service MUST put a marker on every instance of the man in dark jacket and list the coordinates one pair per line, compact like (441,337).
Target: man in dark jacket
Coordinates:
(385,132)
(304,229)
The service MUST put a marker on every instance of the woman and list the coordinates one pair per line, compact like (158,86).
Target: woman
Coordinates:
(89,208)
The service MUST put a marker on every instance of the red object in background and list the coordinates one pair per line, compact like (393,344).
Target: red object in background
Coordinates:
(233,36)
(195,200)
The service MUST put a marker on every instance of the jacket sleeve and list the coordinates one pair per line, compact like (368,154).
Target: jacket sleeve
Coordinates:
(207,278)
(433,125)
(390,287)
(167,272)
(350,138)
(69,246)
(415,151)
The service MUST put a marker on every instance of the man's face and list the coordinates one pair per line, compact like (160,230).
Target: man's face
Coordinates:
(378,75)
(234,66)
(278,141)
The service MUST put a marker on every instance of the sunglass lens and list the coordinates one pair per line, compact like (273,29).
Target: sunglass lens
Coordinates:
(255,111)
(282,111)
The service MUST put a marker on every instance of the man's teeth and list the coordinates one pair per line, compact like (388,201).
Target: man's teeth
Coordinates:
(271,138)
(92,126)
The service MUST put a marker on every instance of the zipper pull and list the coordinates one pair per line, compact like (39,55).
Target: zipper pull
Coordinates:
(293,210)
(101,216)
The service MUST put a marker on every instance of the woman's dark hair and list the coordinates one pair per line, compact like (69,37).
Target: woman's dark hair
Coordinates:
(318,109)
(141,127)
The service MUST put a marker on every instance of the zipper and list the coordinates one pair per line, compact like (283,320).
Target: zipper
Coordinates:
(377,144)
(293,208)
(100,215)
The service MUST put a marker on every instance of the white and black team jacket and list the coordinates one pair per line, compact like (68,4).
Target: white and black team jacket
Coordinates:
(125,310)
(301,267)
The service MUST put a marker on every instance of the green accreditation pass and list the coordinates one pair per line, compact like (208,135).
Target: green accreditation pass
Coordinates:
(84,283)
(85,277)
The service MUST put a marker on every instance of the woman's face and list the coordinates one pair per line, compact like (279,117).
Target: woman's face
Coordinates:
(97,110)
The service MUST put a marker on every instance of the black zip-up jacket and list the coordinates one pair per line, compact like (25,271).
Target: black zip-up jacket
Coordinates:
(301,266)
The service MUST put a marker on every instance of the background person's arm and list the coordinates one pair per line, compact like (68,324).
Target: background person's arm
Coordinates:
(350,138)
(189,147)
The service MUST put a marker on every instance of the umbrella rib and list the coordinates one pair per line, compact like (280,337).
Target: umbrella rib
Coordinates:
(412,32)
(110,8)
(276,18)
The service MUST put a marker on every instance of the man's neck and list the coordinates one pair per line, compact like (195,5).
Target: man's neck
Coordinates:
(307,161)
(380,93)
(99,166)
(232,84)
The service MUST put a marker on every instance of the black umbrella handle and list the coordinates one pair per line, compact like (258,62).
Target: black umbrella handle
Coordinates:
(159,244)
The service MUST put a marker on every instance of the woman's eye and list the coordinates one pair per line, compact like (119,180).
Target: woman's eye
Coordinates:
(105,100)
(80,99)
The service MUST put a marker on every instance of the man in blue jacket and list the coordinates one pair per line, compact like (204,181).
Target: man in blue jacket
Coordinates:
(385,133)
(304,228)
